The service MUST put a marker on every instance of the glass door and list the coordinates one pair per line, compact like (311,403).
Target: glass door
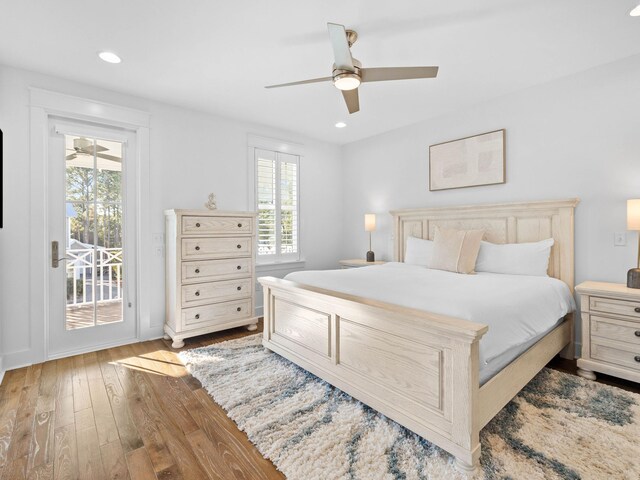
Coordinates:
(91,255)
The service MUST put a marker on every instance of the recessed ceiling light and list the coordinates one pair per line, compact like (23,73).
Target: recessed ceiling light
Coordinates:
(636,11)
(109,57)
(341,125)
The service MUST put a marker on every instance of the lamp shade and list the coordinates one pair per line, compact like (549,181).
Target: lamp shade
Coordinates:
(369,222)
(633,214)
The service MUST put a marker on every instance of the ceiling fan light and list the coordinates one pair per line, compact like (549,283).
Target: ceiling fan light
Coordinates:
(346,81)
(109,57)
(635,11)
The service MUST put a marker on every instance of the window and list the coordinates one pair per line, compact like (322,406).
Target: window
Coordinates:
(277,183)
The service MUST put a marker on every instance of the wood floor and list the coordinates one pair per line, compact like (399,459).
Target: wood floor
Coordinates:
(130,412)
(127,412)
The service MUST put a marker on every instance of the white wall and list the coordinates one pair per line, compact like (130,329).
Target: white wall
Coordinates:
(575,137)
(192,154)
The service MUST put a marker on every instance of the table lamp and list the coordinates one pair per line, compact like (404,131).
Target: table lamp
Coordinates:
(370,226)
(633,223)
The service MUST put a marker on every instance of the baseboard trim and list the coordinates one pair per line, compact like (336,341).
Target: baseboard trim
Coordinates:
(93,348)
(1,370)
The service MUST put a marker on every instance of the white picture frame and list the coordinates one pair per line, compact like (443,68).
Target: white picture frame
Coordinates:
(468,162)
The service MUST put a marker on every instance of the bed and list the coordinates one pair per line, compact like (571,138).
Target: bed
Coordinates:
(403,357)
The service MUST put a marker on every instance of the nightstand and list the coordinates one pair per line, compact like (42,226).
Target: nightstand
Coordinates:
(610,330)
(358,262)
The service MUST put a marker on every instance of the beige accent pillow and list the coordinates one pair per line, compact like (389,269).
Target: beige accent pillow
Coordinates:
(455,250)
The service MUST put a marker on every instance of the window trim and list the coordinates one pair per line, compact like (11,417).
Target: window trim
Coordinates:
(257,142)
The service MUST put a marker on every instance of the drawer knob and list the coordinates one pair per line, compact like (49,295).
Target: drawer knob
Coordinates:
(197,316)
(238,267)
(637,309)
(239,246)
(198,225)
(637,333)
(637,358)
(239,225)
(197,270)
(239,288)
(240,308)
(197,247)
(197,293)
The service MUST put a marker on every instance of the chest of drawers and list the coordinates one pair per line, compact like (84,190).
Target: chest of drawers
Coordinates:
(210,272)
(610,315)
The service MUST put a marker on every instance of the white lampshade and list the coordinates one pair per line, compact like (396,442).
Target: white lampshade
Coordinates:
(633,214)
(369,222)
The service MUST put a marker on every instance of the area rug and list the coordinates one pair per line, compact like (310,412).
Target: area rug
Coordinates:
(558,427)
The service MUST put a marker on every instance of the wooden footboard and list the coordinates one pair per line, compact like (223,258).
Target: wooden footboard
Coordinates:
(419,369)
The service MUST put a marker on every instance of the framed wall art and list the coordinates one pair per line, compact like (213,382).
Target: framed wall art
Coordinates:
(468,162)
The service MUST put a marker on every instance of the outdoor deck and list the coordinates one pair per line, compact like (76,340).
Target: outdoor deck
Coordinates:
(81,316)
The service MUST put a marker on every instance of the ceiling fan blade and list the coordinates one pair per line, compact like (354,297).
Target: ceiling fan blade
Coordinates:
(108,157)
(352,100)
(98,148)
(301,82)
(340,44)
(397,73)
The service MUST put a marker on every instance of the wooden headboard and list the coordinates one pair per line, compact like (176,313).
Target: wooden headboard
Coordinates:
(502,223)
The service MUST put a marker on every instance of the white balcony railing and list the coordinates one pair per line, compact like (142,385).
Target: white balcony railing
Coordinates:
(94,274)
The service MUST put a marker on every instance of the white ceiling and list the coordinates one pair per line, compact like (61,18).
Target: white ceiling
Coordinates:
(216,56)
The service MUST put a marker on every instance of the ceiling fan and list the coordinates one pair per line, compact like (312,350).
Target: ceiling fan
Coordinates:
(348,73)
(84,146)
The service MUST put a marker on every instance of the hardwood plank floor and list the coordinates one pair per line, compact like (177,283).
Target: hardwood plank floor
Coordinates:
(131,412)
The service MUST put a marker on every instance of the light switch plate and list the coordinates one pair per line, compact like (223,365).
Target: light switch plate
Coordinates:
(620,239)
(157,238)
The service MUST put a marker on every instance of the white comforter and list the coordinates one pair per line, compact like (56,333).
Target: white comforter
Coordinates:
(516,308)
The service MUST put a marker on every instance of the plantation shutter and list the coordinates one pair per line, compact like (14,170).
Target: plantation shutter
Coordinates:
(288,203)
(266,193)
(277,204)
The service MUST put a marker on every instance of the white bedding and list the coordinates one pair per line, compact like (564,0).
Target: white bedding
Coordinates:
(518,309)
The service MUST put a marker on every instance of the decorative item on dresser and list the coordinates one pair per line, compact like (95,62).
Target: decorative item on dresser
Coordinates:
(610,330)
(633,223)
(370,226)
(210,274)
(358,262)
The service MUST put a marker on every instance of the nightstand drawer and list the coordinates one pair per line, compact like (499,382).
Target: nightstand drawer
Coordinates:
(616,329)
(615,306)
(616,353)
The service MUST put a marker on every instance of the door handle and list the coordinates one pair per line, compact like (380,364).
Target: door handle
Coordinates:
(55,251)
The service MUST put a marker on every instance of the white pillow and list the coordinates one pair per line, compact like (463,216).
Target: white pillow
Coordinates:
(515,258)
(418,252)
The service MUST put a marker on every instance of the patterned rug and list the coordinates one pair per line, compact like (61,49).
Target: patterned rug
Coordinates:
(559,427)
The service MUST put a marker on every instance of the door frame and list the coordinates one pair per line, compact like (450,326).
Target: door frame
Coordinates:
(43,105)
(62,341)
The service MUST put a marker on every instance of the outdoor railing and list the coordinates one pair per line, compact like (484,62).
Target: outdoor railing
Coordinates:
(92,271)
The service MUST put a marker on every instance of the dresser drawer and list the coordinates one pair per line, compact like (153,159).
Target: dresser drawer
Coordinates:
(216,225)
(616,329)
(615,306)
(201,293)
(216,314)
(210,270)
(616,353)
(193,248)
